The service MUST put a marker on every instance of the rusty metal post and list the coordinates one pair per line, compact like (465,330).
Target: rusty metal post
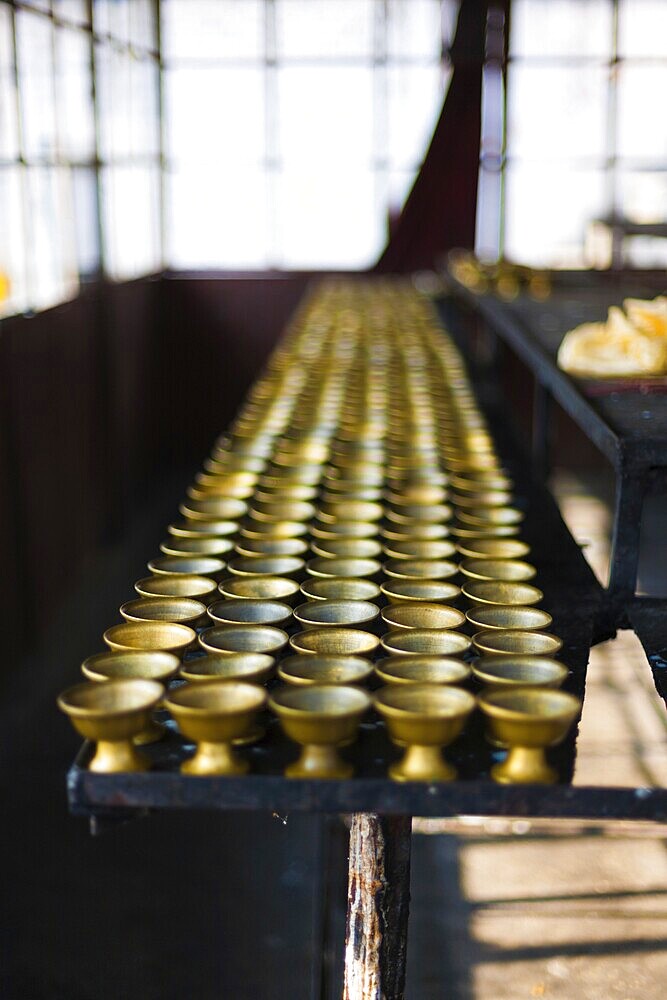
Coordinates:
(378,906)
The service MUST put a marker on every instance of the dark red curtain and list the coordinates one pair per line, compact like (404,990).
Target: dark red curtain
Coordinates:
(440,211)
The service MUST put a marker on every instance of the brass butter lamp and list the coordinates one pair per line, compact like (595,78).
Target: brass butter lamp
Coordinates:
(259,588)
(503,592)
(253,668)
(528,720)
(170,637)
(339,588)
(422,670)
(112,715)
(142,664)
(214,715)
(422,615)
(306,670)
(424,718)
(321,718)
(200,588)
(500,617)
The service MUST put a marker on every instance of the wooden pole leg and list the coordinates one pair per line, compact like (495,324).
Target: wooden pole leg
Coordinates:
(378,906)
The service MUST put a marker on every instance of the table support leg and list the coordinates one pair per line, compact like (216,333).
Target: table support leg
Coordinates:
(625,542)
(541,432)
(378,906)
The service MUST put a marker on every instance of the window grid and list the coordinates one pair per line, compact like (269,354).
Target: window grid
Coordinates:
(83,189)
(55,239)
(512,222)
(274,167)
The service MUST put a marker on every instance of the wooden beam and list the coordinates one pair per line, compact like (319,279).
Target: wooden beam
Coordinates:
(378,906)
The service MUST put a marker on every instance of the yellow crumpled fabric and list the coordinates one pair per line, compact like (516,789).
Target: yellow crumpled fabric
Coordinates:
(630,343)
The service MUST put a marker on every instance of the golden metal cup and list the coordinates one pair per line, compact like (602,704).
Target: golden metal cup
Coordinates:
(346,548)
(253,668)
(503,672)
(359,475)
(259,588)
(434,513)
(350,510)
(505,570)
(488,531)
(422,615)
(213,715)
(286,492)
(420,493)
(203,529)
(288,510)
(112,714)
(420,569)
(271,547)
(266,565)
(408,591)
(340,589)
(218,508)
(185,547)
(420,550)
(484,516)
(484,498)
(425,641)
(425,717)
(274,529)
(200,588)
(219,490)
(421,531)
(223,480)
(514,642)
(399,482)
(480,482)
(320,614)
(464,463)
(192,566)
(525,619)
(335,642)
(248,612)
(503,592)
(422,670)
(164,609)
(320,717)
(148,665)
(330,567)
(344,529)
(225,639)
(351,493)
(528,720)
(307,670)
(294,477)
(169,637)
(493,548)
(222,464)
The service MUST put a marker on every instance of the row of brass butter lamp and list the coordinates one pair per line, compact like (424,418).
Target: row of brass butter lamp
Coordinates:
(328,524)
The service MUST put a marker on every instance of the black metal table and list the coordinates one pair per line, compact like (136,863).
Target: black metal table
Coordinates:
(627,421)
(382,810)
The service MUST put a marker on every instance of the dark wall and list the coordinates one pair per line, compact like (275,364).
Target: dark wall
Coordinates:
(214,335)
(102,401)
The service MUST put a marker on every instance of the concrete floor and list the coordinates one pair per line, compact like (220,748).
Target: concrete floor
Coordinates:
(507,910)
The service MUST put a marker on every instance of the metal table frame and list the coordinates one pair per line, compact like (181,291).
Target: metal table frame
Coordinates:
(639,456)
(380,811)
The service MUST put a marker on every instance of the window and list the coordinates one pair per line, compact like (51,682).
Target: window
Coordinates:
(292,127)
(62,156)
(584,138)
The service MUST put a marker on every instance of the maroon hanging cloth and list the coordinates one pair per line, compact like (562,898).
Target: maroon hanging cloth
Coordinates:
(439,213)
